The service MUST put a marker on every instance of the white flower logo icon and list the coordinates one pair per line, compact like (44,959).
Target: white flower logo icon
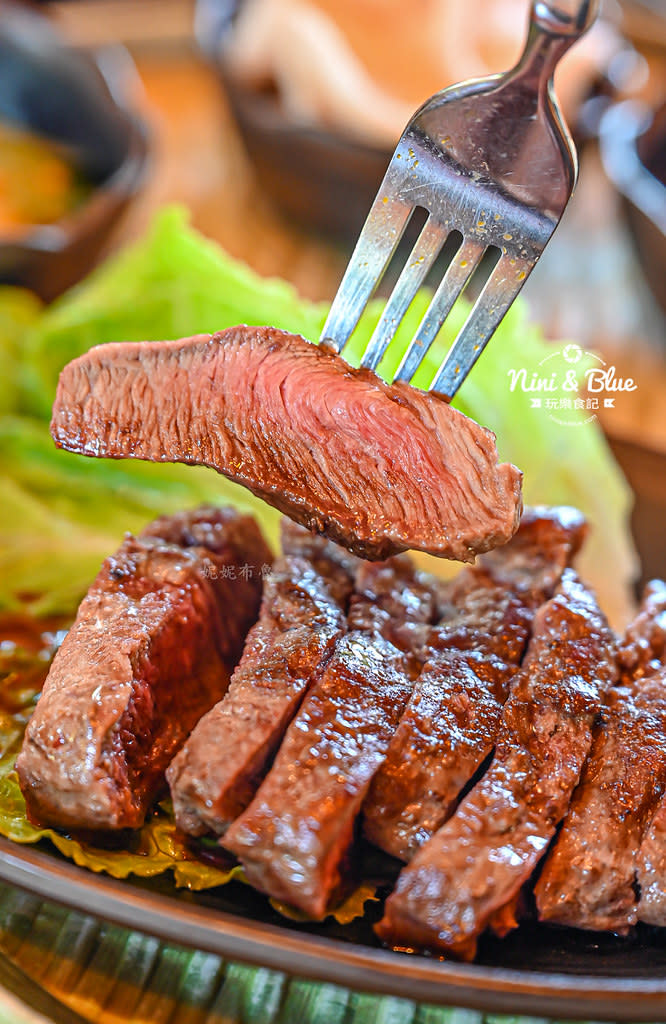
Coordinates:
(572,353)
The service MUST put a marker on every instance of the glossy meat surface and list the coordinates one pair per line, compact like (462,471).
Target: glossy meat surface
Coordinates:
(378,468)
(218,771)
(152,648)
(451,721)
(588,880)
(295,839)
(476,864)
(651,870)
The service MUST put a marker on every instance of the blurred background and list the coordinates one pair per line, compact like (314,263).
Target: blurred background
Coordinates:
(273,121)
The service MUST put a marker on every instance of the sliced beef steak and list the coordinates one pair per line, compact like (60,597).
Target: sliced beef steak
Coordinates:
(152,648)
(396,600)
(217,772)
(378,468)
(451,721)
(329,559)
(588,880)
(644,645)
(294,839)
(651,870)
(475,865)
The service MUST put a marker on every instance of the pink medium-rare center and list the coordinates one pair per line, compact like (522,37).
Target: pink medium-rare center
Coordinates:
(376,467)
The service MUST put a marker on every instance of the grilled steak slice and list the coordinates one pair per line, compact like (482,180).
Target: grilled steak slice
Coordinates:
(294,838)
(588,880)
(152,648)
(217,772)
(451,721)
(651,870)
(644,644)
(478,861)
(329,559)
(378,468)
(396,600)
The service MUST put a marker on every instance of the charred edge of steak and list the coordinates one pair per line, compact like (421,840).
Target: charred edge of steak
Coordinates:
(479,860)
(589,877)
(379,468)
(294,839)
(217,772)
(114,708)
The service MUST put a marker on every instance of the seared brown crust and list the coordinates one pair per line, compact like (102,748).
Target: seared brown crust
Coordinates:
(452,717)
(152,648)
(644,645)
(396,600)
(218,771)
(294,838)
(378,468)
(589,878)
(651,870)
(477,862)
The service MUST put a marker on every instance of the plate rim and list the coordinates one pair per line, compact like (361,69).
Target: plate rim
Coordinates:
(362,968)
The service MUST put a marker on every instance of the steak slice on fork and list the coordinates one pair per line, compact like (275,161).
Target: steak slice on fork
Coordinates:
(379,468)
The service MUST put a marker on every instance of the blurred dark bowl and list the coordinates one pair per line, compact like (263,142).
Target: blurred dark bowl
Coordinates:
(322,180)
(61,94)
(633,149)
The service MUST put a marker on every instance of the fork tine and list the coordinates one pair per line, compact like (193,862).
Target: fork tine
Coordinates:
(498,294)
(422,257)
(457,274)
(377,242)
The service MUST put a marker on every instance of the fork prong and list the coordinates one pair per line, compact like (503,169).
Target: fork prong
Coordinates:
(413,274)
(377,242)
(498,294)
(457,274)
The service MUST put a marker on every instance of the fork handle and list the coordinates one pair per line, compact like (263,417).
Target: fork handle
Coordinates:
(568,18)
(554,26)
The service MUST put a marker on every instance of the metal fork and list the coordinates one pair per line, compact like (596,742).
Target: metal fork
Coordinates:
(493,165)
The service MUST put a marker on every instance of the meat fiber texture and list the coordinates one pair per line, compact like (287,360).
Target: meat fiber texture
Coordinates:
(469,874)
(377,468)
(453,715)
(296,837)
(152,648)
(217,772)
(589,878)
